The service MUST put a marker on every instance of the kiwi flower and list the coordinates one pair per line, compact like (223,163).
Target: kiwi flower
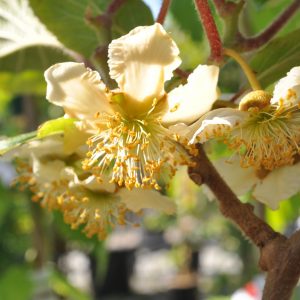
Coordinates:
(58,183)
(268,187)
(265,131)
(133,132)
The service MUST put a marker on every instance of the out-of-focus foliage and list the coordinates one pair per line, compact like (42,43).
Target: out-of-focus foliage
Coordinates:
(75,31)
(277,58)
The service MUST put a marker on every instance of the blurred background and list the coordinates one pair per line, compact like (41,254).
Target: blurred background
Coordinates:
(196,254)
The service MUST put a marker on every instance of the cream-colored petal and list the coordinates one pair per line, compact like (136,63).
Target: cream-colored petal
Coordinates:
(49,171)
(94,185)
(90,183)
(190,101)
(288,88)
(142,61)
(216,123)
(138,199)
(51,145)
(77,89)
(239,179)
(182,130)
(278,185)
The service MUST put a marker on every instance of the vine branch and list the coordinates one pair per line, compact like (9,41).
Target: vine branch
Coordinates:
(114,6)
(259,232)
(248,44)
(225,8)
(279,256)
(210,30)
(163,11)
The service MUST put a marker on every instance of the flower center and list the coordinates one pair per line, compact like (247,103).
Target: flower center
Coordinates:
(269,139)
(256,100)
(97,213)
(139,151)
(46,193)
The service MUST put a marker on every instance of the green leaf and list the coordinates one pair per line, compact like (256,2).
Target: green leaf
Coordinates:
(285,215)
(11,143)
(187,18)
(33,58)
(21,29)
(277,58)
(262,13)
(27,82)
(66,19)
(55,127)
(131,14)
(19,277)
(63,288)
(73,137)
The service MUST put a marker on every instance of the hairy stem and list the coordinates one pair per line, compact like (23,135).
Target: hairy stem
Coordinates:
(246,68)
(248,44)
(211,30)
(163,11)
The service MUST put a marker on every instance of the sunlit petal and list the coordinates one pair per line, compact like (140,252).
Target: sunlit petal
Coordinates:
(239,179)
(138,199)
(142,61)
(216,123)
(287,89)
(188,102)
(279,185)
(77,89)
(48,171)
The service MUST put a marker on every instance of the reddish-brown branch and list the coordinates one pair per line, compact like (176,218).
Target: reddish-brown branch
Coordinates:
(280,256)
(210,29)
(248,44)
(225,8)
(163,11)
(114,6)
(283,262)
(181,73)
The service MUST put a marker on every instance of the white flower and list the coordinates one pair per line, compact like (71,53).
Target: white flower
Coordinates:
(100,207)
(265,131)
(58,183)
(132,127)
(267,187)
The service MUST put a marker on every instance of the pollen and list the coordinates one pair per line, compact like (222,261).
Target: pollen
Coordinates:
(175,108)
(45,193)
(95,214)
(268,139)
(137,152)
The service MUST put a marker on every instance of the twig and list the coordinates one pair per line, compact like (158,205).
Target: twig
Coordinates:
(210,30)
(283,258)
(182,74)
(114,6)
(163,11)
(225,8)
(279,256)
(248,44)
(259,232)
